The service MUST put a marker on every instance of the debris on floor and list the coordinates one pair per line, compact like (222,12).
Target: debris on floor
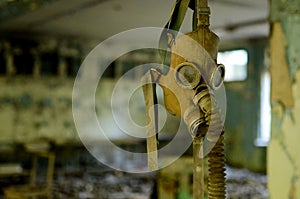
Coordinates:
(103,185)
(244,184)
(241,184)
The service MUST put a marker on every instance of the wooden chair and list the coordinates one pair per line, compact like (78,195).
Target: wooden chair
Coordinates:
(32,190)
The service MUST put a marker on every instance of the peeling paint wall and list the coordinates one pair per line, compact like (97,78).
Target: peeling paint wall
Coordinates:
(35,105)
(35,108)
(36,96)
(284,148)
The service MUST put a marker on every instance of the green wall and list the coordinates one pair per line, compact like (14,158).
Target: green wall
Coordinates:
(243,108)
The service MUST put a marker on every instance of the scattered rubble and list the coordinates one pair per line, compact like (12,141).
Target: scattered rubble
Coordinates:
(109,184)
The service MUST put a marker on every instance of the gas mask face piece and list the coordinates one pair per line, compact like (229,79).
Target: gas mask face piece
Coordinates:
(193,73)
(188,88)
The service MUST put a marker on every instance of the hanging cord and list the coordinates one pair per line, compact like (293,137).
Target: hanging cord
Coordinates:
(214,135)
(207,103)
(216,175)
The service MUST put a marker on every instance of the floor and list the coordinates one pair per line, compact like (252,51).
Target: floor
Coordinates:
(80,176)
(241,184)
(103,185)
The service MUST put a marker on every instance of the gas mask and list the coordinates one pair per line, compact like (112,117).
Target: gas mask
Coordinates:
(192,75)
(188,89)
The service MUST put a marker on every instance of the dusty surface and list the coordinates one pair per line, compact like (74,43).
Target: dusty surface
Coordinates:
(241,184)
(103,185)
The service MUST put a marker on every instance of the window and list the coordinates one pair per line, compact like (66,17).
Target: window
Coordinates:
(235,62)
(264,131)
(23,61)
(49,63)
(73,64)
(2,62)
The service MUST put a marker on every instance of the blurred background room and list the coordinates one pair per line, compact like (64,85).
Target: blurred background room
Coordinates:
(42,46)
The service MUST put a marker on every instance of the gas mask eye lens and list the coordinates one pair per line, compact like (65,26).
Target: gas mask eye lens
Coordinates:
(187,75)
(218,76)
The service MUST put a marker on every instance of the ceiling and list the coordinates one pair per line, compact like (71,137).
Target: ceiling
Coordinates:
(100,19)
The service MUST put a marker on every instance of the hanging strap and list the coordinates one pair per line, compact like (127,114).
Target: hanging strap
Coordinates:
(177,14)
(174,23)
(151,120)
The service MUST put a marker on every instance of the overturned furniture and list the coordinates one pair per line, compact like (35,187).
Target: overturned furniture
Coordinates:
(34,189)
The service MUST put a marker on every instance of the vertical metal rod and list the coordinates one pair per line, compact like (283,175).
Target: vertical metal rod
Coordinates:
(198,173)
(201,7)
(202,13)
(202,3)
(197,13)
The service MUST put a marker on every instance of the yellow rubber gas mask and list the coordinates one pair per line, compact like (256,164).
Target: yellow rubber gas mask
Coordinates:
(193,73)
